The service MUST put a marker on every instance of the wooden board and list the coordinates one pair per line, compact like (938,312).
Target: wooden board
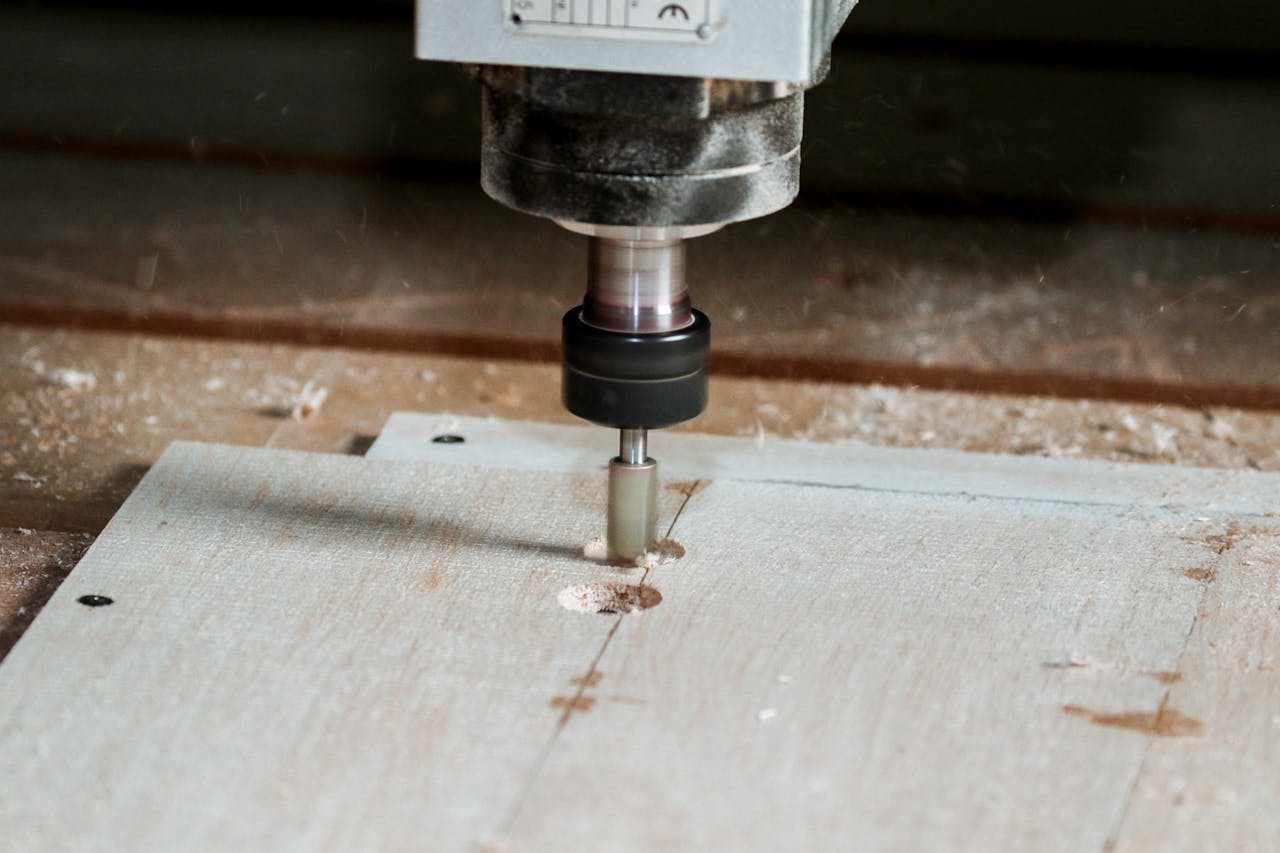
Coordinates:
(527,445)
(312,651)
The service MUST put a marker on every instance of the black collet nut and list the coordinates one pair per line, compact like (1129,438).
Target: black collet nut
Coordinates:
(633,380)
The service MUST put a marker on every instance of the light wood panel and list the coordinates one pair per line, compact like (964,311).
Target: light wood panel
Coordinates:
(528,445)
(1220,792)
(303,651)
(319,652)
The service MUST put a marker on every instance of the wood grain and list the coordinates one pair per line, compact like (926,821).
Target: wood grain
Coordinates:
(833,665)
(316,652)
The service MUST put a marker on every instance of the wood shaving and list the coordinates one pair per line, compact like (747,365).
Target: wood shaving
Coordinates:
(596,550)
(308,401)
(73,380)
(1219,428)
(609,598)
(1162,437)
(669,550)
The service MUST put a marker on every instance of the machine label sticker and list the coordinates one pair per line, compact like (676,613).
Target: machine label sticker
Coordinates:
(685,20)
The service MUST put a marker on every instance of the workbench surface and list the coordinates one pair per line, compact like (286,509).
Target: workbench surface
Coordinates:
(72,448)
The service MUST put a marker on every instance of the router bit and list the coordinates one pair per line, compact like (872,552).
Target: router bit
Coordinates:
(633,499)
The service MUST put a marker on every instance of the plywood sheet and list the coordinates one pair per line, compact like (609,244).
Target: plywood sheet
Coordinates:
(318,652)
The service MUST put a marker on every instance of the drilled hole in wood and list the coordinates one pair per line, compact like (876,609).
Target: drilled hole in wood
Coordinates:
(95,600)
(448,439)
(609,598)
(665,552)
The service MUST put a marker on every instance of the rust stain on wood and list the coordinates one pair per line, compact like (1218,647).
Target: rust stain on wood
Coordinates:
(1200,573)
(688,488)
(1163,722)
(1224,541)
(669,550)
(570,704)
(591,679)
(1229,537)
(1164,676)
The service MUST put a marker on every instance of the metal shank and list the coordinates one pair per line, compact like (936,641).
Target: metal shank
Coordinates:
(636,286)
(633,445)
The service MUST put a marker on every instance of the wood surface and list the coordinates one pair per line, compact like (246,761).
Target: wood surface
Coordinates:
(311,651)
(501,443)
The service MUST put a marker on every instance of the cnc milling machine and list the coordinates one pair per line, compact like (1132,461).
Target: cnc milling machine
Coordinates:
(640,124)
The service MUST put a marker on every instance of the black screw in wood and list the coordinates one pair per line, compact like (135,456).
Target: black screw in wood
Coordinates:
(95,600)
(517,20)
(448,439)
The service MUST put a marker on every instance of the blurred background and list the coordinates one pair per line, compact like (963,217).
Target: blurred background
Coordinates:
(1074,198)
